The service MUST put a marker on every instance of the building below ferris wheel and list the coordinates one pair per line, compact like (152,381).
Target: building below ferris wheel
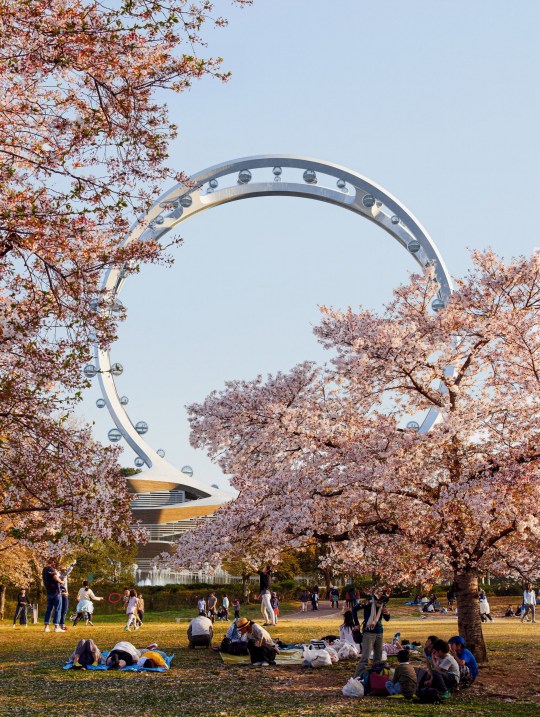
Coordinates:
(167,503)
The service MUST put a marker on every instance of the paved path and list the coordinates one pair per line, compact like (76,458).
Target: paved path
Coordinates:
(324,611)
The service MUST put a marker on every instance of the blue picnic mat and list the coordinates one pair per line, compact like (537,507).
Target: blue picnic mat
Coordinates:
(130,668)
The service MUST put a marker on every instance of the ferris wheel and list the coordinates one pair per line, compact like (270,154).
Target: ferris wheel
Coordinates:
(259,176)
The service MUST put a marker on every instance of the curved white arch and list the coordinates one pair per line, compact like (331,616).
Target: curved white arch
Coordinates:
(355,193)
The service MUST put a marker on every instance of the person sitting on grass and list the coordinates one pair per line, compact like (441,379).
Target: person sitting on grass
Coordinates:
(234,643)
(444,675)
(468,667)
(200,632)
(348,631)
(262,649)
(428,647)
(404,681)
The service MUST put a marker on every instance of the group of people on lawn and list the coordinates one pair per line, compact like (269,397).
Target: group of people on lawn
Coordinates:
(447,664)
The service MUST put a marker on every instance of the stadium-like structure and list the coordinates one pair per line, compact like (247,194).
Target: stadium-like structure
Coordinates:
(165,499)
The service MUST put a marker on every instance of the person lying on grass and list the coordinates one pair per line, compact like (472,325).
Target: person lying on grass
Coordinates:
(123,654)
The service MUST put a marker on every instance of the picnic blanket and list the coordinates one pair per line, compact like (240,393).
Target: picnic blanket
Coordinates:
(285,657)
(130,668)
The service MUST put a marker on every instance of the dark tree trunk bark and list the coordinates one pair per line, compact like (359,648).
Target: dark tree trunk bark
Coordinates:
(245,589)
(2,601)
(469,622)
(328,575)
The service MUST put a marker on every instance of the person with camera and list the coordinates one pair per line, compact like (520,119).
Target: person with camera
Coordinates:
(375,611)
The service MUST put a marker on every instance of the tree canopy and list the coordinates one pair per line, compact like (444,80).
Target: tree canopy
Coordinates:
(325,453)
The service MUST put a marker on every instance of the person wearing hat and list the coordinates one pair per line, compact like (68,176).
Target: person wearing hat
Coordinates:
(261,647)
(200,631)
(234,643)
(465,659)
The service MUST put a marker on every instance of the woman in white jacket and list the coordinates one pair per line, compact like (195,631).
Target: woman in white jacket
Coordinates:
(348,630)
(85,606)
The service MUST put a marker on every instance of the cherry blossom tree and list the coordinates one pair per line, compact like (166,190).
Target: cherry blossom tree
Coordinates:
(83,146)
(325,453)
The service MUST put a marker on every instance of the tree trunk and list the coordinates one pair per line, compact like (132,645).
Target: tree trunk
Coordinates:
(2,601)
(245,589)
(469,622)
(328,576)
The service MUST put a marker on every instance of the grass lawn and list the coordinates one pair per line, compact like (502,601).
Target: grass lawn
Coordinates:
(32,682)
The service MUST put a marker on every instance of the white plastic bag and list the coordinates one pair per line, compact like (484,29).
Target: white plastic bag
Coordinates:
(354,688)
(321,658)
(333,654)
(348,652)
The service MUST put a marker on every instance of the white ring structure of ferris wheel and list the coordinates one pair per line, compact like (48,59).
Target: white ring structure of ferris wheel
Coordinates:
(265,176)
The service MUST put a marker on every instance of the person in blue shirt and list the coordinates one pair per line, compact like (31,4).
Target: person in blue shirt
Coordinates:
(463,657)
(375,611)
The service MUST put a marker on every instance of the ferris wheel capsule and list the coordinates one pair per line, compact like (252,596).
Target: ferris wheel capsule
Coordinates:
(438,305)
(368,200)
(124,400)
(187,470)
(244,176)
(100,403)
(310,176)
(114,435)
(139,462)
(160,452)
(90,370)
(186,201)
(141,427)
(117,369)
(413,426)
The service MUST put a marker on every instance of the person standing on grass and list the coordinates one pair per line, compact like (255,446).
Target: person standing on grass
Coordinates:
(226,603)
(529,602)
(211,605)
(485,610)
(304,599)
(64,573)
(53,587)
(201,605)
(265,581)
(140,607)
(131,611)
(236,606)
(375,611)
(85,606)
(334,596)
(21,609)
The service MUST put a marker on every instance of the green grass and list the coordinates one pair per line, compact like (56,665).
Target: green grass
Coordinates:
(32,682)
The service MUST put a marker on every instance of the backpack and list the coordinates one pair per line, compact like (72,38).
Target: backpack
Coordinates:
(377,683)
(429,696)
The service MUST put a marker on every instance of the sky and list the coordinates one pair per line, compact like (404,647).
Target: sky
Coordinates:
(438,102)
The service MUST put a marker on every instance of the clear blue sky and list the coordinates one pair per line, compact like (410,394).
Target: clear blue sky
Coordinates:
(438,102)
